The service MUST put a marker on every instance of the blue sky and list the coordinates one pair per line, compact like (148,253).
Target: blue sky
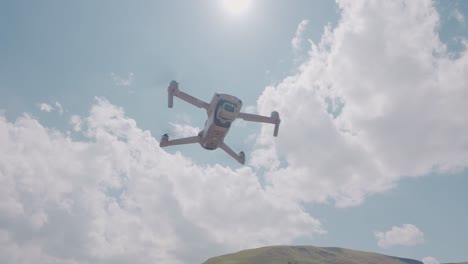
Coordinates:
(83,99)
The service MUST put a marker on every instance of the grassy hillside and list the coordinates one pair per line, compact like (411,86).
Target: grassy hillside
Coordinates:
(306,255)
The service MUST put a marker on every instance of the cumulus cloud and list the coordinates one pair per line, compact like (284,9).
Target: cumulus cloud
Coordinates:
(122,81)
(430,260)
(45,107)
(458,16)
(117,197)
(378,98)
(75,121)
(23,252)
(406,235)
(297,40)
(49,108)
(184,130)
(59,107)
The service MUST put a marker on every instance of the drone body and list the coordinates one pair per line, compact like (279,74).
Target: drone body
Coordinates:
(222,111)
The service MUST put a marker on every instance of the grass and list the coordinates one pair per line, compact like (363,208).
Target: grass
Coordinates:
(306,255)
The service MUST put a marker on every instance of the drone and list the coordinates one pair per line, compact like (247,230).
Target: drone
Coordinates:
(222,111)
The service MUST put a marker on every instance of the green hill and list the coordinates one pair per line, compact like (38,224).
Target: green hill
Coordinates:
(306,255)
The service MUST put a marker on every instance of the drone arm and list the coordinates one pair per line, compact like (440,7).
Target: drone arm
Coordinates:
(179,141)
(173,90)
(273,119)
(239,157)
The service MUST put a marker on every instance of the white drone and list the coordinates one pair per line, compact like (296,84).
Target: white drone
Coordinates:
(222,111)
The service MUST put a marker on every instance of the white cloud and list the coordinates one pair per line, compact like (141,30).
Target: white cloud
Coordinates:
(458,16)
(251,109)
(379,98)
(59,107)
(406,235)
(119,198)
(49,108)
(75,121)
(296,41)
(377,89)
(430,260)
(45,107)
(24,252)
(122,81)
(184,130)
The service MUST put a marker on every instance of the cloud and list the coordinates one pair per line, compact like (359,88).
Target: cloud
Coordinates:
(75,121)
(45,107)
(296,41)
(407,235)
(251,109)
(12,251)
(49,108)
(59,107)
(430,260)
(379,98)
(122,81)
(116,197)
(184,130)
(458,16)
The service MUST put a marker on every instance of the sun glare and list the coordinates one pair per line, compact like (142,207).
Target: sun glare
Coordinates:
(236,7)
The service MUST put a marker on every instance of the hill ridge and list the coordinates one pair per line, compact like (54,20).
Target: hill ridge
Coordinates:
(302,254)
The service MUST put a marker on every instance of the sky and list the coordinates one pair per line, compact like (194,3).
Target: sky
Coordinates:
(372,152)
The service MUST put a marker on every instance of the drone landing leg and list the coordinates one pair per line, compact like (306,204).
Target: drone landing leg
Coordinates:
(239,157)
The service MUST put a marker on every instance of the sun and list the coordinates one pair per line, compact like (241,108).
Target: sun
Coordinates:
(236,7)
